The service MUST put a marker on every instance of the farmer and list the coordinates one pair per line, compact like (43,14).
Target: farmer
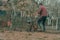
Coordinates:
(42,14)
(32,23)
(29,21)
(9,23)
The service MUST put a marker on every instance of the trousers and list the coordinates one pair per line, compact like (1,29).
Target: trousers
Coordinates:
(42,20)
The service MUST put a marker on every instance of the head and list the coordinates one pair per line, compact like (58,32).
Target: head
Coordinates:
(40,4)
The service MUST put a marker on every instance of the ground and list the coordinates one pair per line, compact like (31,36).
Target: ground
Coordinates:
(15,35)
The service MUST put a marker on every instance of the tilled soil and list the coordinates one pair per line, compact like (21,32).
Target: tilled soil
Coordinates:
(15,35)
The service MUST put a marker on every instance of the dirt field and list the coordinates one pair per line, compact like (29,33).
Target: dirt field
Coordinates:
(28,36)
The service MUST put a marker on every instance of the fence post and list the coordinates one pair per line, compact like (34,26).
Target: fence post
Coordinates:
(56,23)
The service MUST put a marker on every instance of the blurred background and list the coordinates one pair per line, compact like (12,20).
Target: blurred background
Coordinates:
(14,14)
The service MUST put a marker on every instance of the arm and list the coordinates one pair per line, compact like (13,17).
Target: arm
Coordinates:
(38,11)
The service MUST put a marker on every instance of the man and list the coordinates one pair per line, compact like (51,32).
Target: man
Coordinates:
(29,21)
(42,12)
(9,23)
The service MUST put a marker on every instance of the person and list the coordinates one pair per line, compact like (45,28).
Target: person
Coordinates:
(42,13)
(9,23)
(29,21)
(32,25)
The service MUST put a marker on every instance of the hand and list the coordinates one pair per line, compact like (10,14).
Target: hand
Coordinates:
(36,14)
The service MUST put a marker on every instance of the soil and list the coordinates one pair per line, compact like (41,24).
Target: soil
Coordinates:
(16,35)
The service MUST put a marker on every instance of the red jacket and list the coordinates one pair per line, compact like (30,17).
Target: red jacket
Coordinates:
(44,11)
